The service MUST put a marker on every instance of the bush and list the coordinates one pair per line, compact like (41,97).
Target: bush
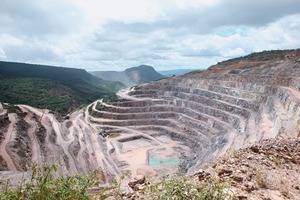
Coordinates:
(43,186)
(185,188)
(110,99)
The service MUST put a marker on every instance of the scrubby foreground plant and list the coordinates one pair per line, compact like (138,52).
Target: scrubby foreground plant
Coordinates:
(181,188)
(43,186)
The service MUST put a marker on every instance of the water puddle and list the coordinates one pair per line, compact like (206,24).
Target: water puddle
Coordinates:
(162,157)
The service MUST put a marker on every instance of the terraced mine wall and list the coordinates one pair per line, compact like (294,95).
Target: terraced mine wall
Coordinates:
(191,119)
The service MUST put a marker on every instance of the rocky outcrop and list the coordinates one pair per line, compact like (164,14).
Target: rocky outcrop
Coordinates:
(266,170)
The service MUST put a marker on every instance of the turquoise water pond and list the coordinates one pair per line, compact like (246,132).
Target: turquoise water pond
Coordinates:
(154,162)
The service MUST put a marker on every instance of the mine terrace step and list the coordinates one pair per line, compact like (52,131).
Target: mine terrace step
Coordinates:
(233,109)
(160,122)
(231,119)
(207,119)
(230,111)
(139,103)
(183,119)
(239,102)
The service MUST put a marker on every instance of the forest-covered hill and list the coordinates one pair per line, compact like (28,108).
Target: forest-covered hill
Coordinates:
(55,88)
(131,76)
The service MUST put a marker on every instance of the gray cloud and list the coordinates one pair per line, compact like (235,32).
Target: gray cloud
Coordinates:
(31,52)
(183,24)
(57,32)
(38,18)
(204,20)
(202,53)
(253,13)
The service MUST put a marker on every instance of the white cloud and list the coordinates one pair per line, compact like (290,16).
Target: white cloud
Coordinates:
(102,35)
(2,54)
(234,52)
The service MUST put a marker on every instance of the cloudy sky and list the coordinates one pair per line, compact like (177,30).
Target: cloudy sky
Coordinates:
(167,34)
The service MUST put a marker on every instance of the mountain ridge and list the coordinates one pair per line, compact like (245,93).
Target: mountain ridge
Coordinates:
(176,72)
(131,76)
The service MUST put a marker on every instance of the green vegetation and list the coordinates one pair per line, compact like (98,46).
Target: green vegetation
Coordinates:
(12,108)
(186,188)
(56,88)
(110,99)
(99,106)
(93,112)
(39,93)
(44,186)
(262,56)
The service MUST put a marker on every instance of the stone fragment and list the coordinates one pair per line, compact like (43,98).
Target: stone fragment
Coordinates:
(249,186)
(224,171)
(244,169)
(202,175)
(237,178)
(137,181)
(242,196)
(255,149)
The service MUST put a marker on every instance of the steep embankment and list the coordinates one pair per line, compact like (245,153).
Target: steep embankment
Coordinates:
(180,121)
(266,170)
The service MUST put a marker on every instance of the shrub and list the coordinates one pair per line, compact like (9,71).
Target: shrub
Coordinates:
(43,186)
(110,99)
(261,180)
(184,188)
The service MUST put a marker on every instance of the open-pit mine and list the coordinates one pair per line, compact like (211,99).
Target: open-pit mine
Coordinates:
(174,125)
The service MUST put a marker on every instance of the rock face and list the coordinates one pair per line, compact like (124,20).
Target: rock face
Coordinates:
(185,121)
(267,170)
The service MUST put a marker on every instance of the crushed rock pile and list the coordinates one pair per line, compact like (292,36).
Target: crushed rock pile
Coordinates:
(269,170)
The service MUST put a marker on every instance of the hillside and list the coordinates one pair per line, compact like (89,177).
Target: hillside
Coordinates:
(56,88)
(173,126)
(176,72)
(131,76)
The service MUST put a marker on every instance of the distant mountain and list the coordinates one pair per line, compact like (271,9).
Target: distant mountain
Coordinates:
(131,76)
(176,72)
(56,88)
